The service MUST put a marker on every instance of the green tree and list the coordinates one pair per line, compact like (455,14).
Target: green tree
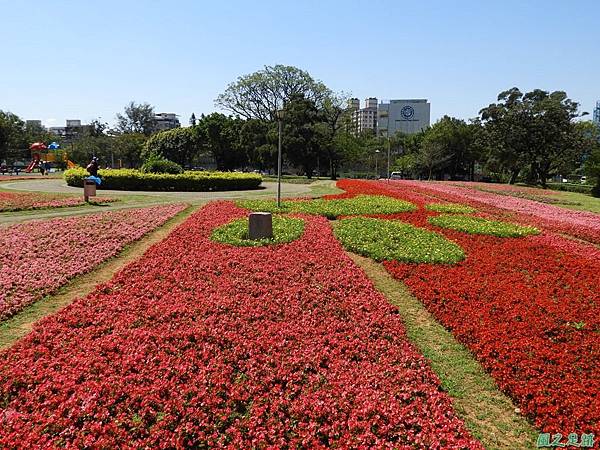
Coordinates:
(128,148)
(591,166)
(180,145)
(258,140)
(137,119)
(260,94)
(450,141)
(535,131)
(12,132)
(302,138)
(222,140)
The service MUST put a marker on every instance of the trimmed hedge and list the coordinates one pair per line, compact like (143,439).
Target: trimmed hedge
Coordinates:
(157,164)
(135,180)
(571,187)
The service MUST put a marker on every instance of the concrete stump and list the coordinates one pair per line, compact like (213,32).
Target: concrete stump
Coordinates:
(260,225)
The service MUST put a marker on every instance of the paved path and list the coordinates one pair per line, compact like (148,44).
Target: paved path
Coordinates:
(140,199)
(59,185)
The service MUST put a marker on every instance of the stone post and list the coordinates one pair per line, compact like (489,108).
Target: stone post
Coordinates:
(260,225)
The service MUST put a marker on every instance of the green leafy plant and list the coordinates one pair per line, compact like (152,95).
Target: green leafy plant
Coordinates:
(362,204)
(285,229)
(479,225)
(136,180)
(158,164)
(382,240)
(451,208)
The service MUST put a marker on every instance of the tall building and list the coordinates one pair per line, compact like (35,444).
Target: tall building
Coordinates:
(405,116)
(166,121)
(597,113)
(73,129)
(386,119)
(364,118)
(37,124)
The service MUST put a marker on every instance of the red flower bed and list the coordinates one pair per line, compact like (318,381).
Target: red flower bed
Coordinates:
(18,201)
(583,225)
(528,308)
(203,345)
(38,257)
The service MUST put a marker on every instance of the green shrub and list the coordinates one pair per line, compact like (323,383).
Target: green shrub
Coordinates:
(596,190)
(451,208)
(285,229)
(157,164)
(479,225)
(135,180)
(382,240)
(359,205)
(571,187)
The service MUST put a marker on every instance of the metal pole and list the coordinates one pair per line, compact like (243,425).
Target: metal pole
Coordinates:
(279,168)
(376,171)
(388,161)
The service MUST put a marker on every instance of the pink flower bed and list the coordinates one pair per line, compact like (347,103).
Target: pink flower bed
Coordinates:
(580,224)
(508,188)
(38,257)
(204,345)
(18,201)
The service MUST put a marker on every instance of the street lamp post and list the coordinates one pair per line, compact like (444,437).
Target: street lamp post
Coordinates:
(388,158)
(280,114)
(376,169)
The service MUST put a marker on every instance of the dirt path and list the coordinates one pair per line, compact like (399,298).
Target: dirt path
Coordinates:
(19,325)
(489,414)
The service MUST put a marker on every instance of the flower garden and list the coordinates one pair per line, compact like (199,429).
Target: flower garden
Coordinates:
(213,340)
(21,201)
(38,257)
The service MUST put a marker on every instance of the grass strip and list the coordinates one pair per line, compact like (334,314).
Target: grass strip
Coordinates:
(19,325)
(488,413)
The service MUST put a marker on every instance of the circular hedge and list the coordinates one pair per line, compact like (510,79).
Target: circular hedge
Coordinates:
(450,208)
(285,229)
(136,180)
(359,205)
(382,239)
(479,225)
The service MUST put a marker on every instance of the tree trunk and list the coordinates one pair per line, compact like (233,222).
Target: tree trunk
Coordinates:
(513,176)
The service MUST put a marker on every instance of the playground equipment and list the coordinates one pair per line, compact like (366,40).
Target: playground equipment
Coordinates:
(50,153)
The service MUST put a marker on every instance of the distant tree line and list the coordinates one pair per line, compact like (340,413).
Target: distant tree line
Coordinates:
(522,137)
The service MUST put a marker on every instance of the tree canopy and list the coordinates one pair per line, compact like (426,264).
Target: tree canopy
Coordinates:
(260,94)
(137,119)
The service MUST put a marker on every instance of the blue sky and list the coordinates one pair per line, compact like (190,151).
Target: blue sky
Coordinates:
(88,59)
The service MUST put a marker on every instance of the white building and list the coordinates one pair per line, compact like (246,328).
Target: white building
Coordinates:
(166,121)
(386,119)
(405,116)
(364,118)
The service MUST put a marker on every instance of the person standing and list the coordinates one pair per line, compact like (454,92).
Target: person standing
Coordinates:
(92,167)
(42,167)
